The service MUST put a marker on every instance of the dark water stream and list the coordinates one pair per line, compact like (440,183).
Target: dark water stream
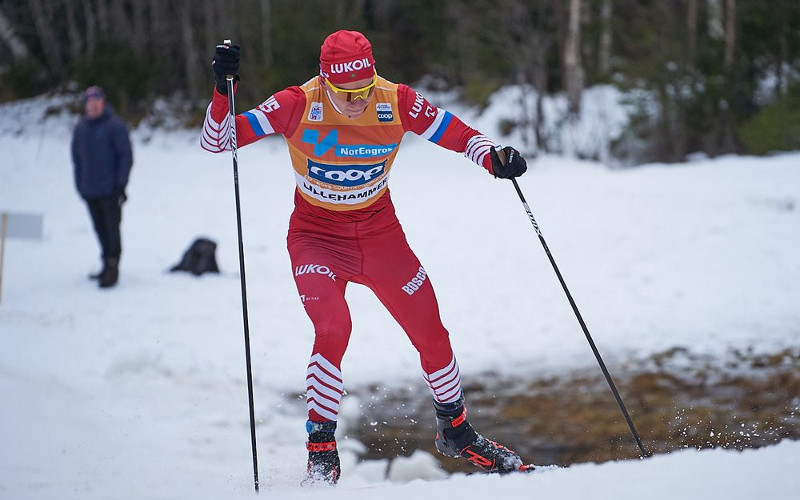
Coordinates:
(676,400)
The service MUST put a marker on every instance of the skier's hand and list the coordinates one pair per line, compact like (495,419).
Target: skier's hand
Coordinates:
(122,198)
(226,62)
(507,163)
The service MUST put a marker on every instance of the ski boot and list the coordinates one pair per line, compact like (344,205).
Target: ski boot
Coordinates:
(456,438)
(323,457)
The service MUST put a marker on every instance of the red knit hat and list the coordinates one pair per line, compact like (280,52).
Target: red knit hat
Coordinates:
(346,56)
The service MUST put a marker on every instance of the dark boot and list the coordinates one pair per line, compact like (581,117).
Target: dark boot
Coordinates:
(323,457)
(96,276)
(110,274)
(456,438)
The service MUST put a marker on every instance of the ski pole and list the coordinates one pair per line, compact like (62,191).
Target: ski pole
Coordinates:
(607,375)
(232,110)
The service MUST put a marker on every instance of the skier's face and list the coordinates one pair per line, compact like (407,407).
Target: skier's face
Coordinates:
(352,105)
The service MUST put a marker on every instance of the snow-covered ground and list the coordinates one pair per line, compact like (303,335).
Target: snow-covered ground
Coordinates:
(139,392)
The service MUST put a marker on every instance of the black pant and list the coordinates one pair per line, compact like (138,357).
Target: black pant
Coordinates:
(106,215)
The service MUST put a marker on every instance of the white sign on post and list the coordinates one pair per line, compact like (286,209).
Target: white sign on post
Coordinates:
(17,225)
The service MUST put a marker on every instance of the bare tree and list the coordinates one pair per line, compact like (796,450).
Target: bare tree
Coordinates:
(139,27)
(266,32)
(19,50)
(91,28)
(730,34)
(73,31)
(573,67)
(120,21)
(190,52)
(716,30)
(43,20)
(102,17)
(605,37)
(691,30)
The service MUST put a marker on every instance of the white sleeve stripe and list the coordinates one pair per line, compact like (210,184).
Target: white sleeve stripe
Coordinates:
(478,147)
(214,147)
(215,136)
(215,142)
(266,126)
(477,143)
(428,133)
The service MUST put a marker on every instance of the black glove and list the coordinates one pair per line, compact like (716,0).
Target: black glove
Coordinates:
(122,198)
(226,62)
(513,164)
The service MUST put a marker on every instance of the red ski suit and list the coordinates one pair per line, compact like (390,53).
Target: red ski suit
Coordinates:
(344,228)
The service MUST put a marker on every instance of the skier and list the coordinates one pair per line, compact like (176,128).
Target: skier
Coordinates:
(343,128)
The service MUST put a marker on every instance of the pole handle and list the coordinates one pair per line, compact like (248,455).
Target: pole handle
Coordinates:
(228,42)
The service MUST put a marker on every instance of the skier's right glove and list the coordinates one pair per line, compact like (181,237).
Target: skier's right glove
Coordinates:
(226,62)
(507,163)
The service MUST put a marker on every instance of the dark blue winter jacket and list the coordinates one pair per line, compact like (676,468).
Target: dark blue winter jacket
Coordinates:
(102,156)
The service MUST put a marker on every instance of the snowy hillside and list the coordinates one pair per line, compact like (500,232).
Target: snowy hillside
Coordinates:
(139,391)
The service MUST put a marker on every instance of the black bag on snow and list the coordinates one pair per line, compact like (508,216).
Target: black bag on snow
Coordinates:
(199,258)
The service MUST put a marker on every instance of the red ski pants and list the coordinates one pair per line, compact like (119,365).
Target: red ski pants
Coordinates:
(326,255)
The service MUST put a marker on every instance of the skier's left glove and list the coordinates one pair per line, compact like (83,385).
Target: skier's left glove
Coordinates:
(226,62)
(507,163)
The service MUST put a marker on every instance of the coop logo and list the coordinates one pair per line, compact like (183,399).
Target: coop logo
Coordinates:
(384,110)
(314,269)
(331,141)
(345,175)
(416,282)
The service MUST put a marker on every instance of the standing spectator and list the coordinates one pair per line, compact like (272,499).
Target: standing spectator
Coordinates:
(102,156)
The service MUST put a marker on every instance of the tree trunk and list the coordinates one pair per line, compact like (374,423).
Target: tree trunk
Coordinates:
(102,17)
(266,32)
(120,21)
(43,20)
(91,29)
(691,30)
(155,20)
(15,44)
(730,35)
(73,32)
(716,30)
(573,69)
(139,29)
(190,51)
(726,117)
(605,38)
